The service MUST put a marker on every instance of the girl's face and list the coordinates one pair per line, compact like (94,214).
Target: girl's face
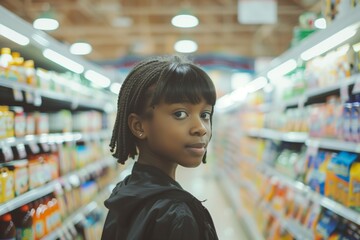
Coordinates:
(177,133)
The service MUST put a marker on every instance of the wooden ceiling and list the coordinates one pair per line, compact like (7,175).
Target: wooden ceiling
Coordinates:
(101,24)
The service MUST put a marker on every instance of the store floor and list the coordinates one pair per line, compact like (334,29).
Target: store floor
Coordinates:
(202,183)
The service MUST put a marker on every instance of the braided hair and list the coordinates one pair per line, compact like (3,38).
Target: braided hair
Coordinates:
(171,79)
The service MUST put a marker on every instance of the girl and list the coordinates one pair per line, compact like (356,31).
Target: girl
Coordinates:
(165,108)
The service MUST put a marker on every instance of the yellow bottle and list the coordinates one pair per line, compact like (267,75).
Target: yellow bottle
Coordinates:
(30,72)
(5,58)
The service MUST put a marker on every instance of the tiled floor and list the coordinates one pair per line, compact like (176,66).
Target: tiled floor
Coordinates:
(202,183)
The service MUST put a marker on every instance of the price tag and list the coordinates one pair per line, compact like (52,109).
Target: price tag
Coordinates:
(37,99)
(74,103)
(21,150)
(344,92)
(8,153)
(29,97)
(18,96)
(302,101)
(53,147)
(356,88)
(45,147)
(34,148)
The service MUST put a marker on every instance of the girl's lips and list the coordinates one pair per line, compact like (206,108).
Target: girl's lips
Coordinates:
(196,145)
(197,149)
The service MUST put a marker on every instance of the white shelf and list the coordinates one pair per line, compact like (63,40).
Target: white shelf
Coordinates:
(346,82)
(294,228)
(334,144)
(54,138)
(297,137)
(339,24)
(328,203)
(50,187)
(75,101)
(247,218)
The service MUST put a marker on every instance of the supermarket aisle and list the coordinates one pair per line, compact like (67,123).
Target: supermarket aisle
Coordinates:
(202,183)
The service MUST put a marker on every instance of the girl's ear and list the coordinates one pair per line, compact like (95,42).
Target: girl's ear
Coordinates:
(136,126)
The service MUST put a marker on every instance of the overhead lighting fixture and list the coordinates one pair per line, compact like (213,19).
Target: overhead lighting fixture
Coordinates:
(329,43)
(185,21)
(186,46)
(63,61)
(282,69)
(14,36)
(256,84)
(356,47)
(46,21)
(97,78)
(115,88)
(320,23)
(40,39)
(80,48)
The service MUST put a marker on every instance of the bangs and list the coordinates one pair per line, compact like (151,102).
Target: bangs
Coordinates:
(184,83)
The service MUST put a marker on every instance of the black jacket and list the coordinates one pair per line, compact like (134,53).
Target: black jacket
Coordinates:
(144,207)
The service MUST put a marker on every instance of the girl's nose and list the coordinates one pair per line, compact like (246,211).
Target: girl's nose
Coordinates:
(198,128)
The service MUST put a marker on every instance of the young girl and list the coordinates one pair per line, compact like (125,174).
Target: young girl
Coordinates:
(165,108)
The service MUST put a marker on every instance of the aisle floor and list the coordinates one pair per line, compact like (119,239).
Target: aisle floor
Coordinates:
(203,184)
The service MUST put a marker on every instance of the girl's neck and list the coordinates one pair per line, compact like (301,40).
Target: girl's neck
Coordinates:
(169,168)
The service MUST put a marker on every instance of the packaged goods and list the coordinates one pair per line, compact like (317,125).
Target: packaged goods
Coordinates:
(7,183)
(21,175)
(23,220)
(7,227)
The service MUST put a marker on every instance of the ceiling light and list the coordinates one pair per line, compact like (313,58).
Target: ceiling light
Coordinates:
(184,21)
(97,78)
(282,69)
(115,88)
(329,43)
(320,23)
(46,21)
(256,84)
(80,48)
(63,61)
(13,35)
(356,47)
(46,24)
(186,46)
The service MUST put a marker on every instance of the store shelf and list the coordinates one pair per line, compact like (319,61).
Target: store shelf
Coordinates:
(325,202)
(34,95)
(334,144)
(53,138)
(341,83)
(50,187)
(350,19)
(294,228)
(245,216)
(297,137)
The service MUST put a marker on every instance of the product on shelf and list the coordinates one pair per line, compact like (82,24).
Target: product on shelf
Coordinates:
(7,227)
(23,219)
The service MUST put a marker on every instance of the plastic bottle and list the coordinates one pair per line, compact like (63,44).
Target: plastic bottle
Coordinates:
(23,221)
(7,227)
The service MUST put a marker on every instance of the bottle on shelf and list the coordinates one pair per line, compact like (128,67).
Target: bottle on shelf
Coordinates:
(23,220)
(7,227)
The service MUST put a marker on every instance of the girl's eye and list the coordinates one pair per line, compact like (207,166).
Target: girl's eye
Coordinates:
(206,115)
(180,114)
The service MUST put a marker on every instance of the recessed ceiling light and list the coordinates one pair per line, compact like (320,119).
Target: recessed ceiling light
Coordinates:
(184,21)
(186,46)
(80,48)
(46,24)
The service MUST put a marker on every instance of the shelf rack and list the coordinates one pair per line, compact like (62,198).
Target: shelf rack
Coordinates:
(50,187)
(326,202)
